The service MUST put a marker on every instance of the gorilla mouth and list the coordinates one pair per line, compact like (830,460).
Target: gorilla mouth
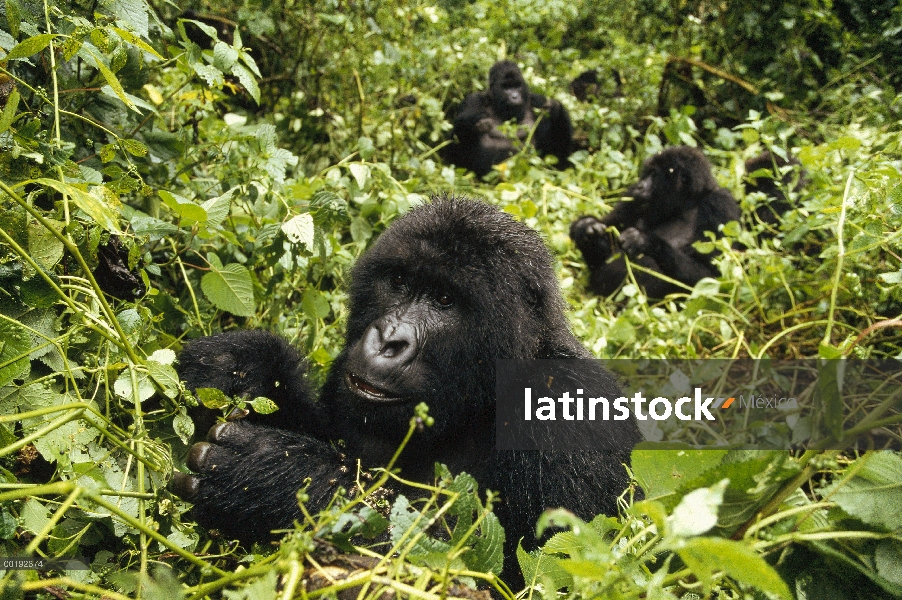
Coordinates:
(368,391)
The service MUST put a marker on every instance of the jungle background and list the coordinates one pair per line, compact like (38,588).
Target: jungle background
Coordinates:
(171,170)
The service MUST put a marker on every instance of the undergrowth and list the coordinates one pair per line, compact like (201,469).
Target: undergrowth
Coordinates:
(165,178)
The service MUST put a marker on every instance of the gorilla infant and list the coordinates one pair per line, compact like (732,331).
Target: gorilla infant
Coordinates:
(773,176)
(444,292)
(673,204)
(480,144)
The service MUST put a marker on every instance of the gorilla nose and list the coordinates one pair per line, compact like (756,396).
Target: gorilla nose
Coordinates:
(390,344)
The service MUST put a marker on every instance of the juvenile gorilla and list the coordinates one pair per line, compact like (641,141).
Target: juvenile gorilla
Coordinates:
(480,144)
(763,173)
(444,292)
(674,202)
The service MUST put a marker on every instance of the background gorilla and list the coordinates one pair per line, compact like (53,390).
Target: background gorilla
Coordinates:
(763,173)
(443,293)
(673,204)
(588,85)
(480,144)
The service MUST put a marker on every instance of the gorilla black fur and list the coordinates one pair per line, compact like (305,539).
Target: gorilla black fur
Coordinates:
(480,144)
(675,201)
(444,292)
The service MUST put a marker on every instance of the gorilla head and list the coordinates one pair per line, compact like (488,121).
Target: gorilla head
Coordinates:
(414,299)
(508,90)
(672,181)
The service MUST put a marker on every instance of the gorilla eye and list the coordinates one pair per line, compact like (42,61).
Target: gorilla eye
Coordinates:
(397,280)
(445,300)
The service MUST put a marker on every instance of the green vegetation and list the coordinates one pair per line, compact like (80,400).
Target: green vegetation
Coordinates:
(243,170)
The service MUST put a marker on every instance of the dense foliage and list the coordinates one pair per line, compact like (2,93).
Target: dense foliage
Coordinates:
(166,173)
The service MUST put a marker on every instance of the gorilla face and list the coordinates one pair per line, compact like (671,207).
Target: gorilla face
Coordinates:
(508,90)
(382,365)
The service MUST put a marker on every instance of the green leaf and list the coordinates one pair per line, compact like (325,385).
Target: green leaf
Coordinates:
(44,247)
(328,209)
(217,208)
(888,559)
(230,289)
(7,525)
(165,377)
(184,208)
(874,493)
(30,46)
(404,518)
(183,425)
(13,17)
(662,472)
(212,397)
(246,78)
(263,588)
(163,584)
(224,56)
(99,203)
(707,555)
(34,516)
(361,230)
(107,152)
(487,553)
(113,82)
(299,230)
(123,386)
(540,568)
(367,523)
(15,344)
(263,406)
(829,393)
(9,111)
(133,147)
(134,13)
(314,304)
(136,41)
(211,75)
(361,174)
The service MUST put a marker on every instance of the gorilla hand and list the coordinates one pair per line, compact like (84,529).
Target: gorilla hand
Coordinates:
(485,125)
(248,364)
(591,237)
(243,472)
(633,242)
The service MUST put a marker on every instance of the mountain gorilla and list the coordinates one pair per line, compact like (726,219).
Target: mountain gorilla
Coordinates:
(763,173)
(444,292)
(674,202)
(588,85)
(480,144)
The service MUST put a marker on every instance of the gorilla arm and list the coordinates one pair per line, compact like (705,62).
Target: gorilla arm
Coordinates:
(554,132)
(592,238)
(469,122)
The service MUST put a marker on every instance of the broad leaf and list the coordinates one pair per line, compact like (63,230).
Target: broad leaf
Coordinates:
(230,289)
